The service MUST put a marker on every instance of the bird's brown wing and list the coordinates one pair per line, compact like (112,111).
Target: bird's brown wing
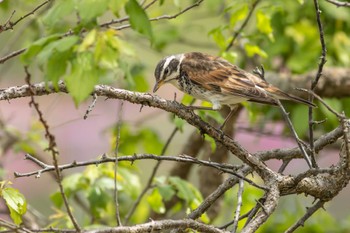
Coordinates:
(219,75)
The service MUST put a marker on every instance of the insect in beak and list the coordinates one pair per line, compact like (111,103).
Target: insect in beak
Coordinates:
(157,85)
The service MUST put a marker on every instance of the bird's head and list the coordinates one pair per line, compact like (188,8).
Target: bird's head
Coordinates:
(167,70)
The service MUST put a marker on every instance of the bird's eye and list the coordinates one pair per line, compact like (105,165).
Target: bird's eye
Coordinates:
(166,71)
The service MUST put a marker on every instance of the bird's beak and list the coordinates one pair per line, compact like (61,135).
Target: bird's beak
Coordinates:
(157,85)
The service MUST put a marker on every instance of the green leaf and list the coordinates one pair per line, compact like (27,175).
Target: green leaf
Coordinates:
(56,67)
(151,141)
(254,50)
(83,78)
(16,203)
(98,200)
(184,189)
(166,191)
(60,46)
(300,123)
(218,36)
(138,19)
(89,10)
(264,24)
(238,15)
(56,198)
(116,5)
(59,11)
(36,48)
(155,200)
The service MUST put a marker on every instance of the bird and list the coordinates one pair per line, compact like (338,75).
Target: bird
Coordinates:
(214,79)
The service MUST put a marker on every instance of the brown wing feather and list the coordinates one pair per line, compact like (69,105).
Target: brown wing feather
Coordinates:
(218,75)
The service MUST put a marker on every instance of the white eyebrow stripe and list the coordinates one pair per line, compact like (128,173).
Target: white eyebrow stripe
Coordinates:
(166,63)
(180,60)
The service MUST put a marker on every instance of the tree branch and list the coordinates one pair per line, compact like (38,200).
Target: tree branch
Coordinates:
(157,102)
(52,148)
(162,226)
(338,3)
(310,211)
(9,25)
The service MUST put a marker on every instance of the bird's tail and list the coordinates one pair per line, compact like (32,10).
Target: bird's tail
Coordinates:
(285,96)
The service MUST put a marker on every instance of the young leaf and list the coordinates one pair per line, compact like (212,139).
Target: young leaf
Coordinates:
(254,50)
(138,19)
(56,66)
(36,48)
(264,24)
(16,203)
(58,12)
(184,189)
(89,10)
(155,200)
(116,5)
(83,78)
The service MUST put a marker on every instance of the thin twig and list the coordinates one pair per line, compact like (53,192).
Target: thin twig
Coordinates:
(329,108)
(165,16)
(11,55)
(117,142)
(52,148)
(239,204)
(91,106)
(150,179)
(235,35)
(315,81)
(284,165)
(131,158)
(126,18)
(290,125)
(10,25)
(338,3)
(310,211)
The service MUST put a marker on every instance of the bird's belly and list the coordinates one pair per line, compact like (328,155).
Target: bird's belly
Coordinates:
(214,97)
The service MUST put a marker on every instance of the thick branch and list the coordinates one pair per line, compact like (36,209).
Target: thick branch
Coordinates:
(162,226)
(270,204)
(157,102)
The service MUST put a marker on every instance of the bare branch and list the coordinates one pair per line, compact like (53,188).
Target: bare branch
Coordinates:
(300,145)
(315,81)
(310,211)
(157,102)
(9,25)
(338,3)
(91,106)
(239,204)
(11,55)
(271,201)
(150,179)
(165,16)
(131,158)
(163,226)
(51,148)
(116,150)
